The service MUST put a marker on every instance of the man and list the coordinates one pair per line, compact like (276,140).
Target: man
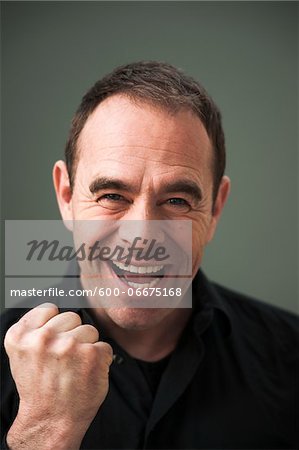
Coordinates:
(147,144)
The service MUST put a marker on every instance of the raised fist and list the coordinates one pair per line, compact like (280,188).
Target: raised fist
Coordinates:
(61,373)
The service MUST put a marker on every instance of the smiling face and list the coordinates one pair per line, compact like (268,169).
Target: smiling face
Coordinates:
(139,162)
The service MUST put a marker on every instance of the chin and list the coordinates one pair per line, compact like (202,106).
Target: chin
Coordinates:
(137,318)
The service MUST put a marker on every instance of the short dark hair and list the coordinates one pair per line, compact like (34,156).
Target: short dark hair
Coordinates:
(162,85)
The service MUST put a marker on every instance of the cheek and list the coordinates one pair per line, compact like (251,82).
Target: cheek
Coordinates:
(200,233)
(197,251)
(197,254)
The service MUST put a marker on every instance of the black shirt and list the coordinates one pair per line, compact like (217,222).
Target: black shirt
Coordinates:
(153,371)
(231,383)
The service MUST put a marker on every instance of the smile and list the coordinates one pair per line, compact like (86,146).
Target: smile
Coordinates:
(138,276)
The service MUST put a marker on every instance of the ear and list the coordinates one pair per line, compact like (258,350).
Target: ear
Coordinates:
(222,195)
(63,192)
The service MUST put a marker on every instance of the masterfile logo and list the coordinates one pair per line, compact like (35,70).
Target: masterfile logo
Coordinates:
(143,264)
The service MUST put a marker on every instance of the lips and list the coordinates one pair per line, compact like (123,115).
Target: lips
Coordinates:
(138,276)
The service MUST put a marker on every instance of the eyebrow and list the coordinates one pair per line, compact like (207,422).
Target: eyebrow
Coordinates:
(101,183)
(186,186)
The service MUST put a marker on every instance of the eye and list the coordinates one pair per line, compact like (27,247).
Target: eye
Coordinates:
(112,201)
(177,201)
(178,204)
(112,197)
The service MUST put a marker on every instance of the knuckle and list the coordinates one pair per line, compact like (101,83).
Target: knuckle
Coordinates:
(93,362)
(93,359)
(93,331)
(72,316)
(46,305)
(13,336)
(66,346)
(105,352)
(70,342)
(43,335)
(38,340)
(12,332)
(89,352)
(108,350)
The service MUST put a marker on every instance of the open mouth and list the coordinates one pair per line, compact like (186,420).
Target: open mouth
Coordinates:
(138,276)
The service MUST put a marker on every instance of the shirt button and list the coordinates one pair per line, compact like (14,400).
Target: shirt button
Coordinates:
(118,359)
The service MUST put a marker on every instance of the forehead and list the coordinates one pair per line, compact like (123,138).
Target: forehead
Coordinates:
(120,127)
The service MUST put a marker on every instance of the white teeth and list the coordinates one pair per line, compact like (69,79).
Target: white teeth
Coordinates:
(153,269)
(136,269)
(143,285)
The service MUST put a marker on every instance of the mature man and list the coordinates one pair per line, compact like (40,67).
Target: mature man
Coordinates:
(146,144)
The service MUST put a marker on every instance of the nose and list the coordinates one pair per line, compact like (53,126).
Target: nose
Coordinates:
(141,223)
(145,230)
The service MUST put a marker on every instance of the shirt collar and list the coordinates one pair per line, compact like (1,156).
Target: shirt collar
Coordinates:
(206,298)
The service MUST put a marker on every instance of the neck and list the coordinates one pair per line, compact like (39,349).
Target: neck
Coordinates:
(147,344)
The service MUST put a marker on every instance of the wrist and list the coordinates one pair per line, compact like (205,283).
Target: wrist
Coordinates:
(26,434)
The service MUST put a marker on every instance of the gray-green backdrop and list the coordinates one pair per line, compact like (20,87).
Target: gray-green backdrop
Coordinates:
(245,53)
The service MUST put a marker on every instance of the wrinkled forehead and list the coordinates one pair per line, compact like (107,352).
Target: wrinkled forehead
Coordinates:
(118,122)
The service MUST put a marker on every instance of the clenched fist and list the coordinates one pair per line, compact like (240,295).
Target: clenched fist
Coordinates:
(61,373)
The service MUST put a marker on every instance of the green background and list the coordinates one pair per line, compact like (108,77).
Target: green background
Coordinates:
(245,54)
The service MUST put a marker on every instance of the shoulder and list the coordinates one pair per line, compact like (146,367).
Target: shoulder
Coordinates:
(251,307)
(257,319)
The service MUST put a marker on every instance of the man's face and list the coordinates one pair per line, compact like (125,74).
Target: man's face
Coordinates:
(146,149)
